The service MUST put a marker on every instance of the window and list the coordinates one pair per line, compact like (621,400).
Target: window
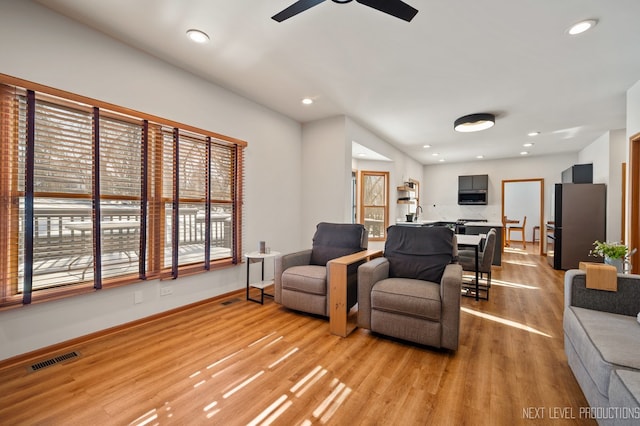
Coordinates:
(93,195)
(374,207)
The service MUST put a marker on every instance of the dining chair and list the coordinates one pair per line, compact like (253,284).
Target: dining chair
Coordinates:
(518,228)
(467,259)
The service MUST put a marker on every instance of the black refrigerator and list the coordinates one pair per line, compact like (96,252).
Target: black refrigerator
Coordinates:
(579,220)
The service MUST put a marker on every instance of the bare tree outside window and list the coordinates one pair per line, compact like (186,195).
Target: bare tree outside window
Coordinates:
(374,210)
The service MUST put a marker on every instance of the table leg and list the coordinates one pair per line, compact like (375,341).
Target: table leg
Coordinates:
(477,277)
(248,263)
(262,288)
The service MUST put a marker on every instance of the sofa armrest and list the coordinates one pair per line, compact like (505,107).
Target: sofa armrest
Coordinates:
(369,273)
(284,262)
(450,294)
(625,301)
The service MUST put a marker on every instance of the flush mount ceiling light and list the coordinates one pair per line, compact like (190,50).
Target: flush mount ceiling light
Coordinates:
(307,101)
(582,26)
(474,122)
(197,36)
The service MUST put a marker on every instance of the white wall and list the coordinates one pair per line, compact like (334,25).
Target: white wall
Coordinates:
(401,168)
(326,175)
(60,53)
(440,185)
(617,155)
(633,112)
(607,153)
(327,166)
(597,153)
(633,128)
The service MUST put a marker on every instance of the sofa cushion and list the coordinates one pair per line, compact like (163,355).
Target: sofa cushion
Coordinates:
(333,240)
(416,298)
(603,341)
(625,301)
(420,253)
(307,278)
(624,391)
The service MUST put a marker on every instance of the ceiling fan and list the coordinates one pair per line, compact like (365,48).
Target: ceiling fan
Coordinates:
(396,8)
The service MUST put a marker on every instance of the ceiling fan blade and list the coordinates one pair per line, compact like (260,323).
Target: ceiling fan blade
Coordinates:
(397,8)
(294,9)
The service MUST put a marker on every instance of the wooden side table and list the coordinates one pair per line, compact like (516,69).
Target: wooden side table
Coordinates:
(254,257)
(338,321)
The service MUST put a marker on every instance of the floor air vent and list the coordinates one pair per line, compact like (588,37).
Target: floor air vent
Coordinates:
(230,301)
(55,360)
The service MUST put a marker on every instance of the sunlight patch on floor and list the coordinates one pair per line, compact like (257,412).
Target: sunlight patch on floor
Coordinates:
(501,283)
(469,279)
(516,251)
(507,322)
(520,263)
(317,381)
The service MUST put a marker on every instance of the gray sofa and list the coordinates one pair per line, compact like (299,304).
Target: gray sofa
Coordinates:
(602,343)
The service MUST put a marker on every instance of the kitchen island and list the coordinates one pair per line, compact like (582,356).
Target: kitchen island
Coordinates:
(470,228)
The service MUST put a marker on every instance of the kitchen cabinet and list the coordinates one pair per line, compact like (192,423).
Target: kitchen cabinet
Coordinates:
(473,182)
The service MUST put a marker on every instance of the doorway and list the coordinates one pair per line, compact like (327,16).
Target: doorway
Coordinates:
(525,197)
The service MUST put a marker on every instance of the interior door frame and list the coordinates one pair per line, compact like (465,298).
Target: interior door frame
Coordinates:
(634,209)
(543,230)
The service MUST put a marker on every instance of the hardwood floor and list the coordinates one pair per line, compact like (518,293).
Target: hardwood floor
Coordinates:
(243,363)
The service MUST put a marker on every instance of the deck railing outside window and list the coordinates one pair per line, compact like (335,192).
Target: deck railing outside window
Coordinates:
(92,194)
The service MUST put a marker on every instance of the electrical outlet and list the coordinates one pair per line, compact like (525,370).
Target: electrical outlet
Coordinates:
(137,297)
(165,291)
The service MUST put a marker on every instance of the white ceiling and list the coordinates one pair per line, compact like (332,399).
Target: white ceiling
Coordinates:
(407,82)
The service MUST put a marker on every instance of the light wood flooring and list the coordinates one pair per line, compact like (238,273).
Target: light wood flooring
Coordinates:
(242,363)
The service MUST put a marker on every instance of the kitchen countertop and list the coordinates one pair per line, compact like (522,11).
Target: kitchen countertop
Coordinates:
(432,221)
(487,224)
(418,223)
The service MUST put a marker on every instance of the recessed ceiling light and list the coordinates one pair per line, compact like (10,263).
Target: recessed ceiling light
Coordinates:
(441,160)
(533,134)
(524,153)
(426,146)
(479,157)
(307,101)
(362,154)
(528,144)
(474,122)
(582,26)
(435,154)
(198,36)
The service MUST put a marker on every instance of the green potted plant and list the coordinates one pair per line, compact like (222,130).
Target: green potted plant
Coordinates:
(613,253)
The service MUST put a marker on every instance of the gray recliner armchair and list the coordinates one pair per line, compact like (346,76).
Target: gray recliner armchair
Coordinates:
(413,292)
(301,281)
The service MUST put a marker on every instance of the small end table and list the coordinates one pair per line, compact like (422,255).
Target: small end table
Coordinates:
(254,257)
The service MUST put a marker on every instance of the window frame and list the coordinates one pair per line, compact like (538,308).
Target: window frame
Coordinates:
(152,218)
(385,205)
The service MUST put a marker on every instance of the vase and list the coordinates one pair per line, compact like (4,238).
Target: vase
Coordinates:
(614,262)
